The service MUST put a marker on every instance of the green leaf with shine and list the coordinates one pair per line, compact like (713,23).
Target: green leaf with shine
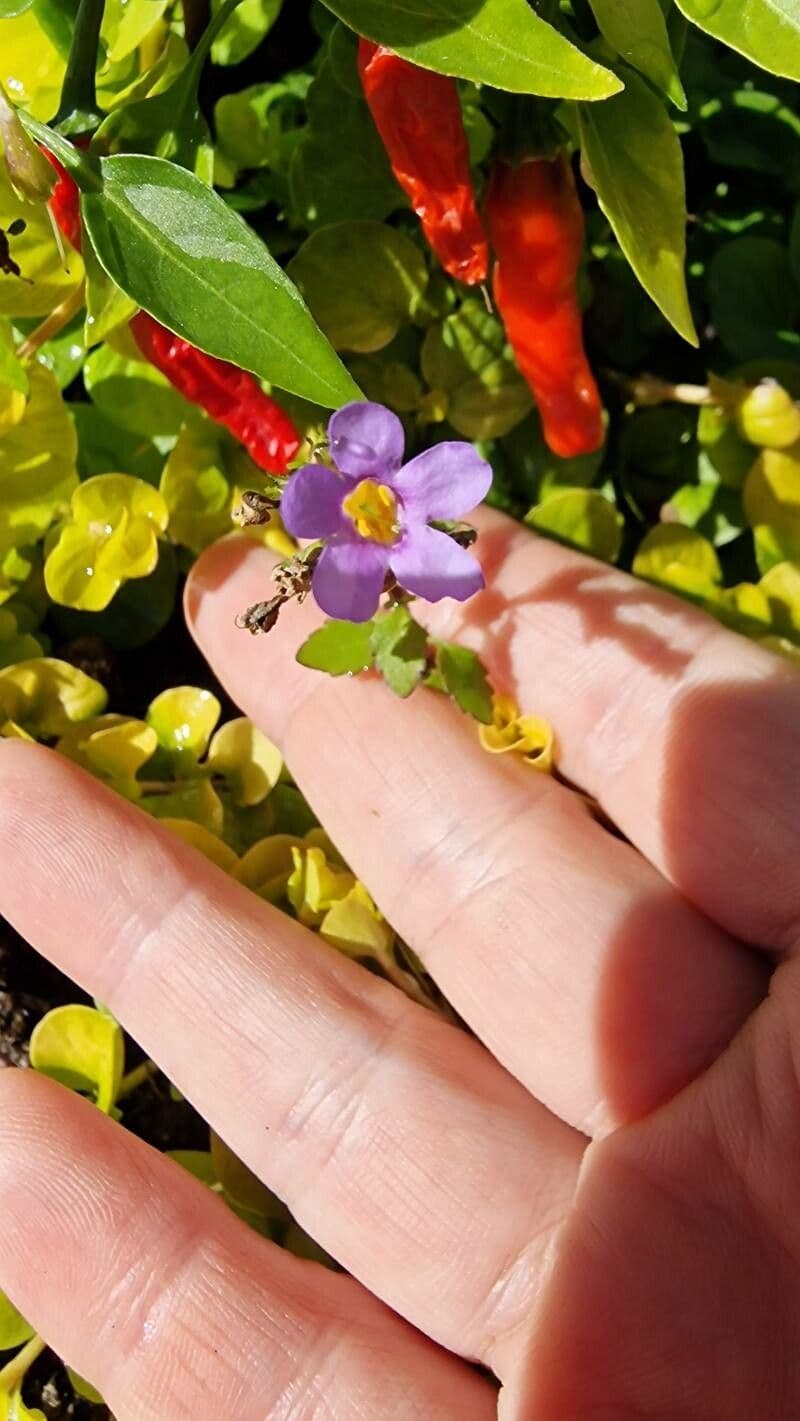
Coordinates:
(180,252)
(503,43)
(465,679)
(581,518)
(767,31)
(637,30)
(82,1048)
(340,648)
(400,646)
(636,166)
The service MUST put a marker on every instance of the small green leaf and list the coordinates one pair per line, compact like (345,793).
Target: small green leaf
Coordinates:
(244,30)
(46,696)
(83,1049)
(400,646)
(465,679)
(196,488)
(250,763)
(767,31)
(678,558)
(499,42)
(771,499)
(181,253)
(340,648)
(636,166)
(14,1330)
(638,32)
(581,518)
(184,719)
(111,537)
(362,281)
(467,358)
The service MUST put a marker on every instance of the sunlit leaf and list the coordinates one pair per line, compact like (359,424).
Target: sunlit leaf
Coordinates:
(250,763)
(635,164)
(767,31)
(499,42)
(679,558)
(83,1049)
(206,843)
(46,696)
(581,518)
(176,248)
(111,537)
(184,719)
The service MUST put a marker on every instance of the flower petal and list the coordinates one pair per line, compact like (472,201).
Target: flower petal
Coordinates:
(447,481)
(311,506)
(366,440)
(431,565)
(349,578)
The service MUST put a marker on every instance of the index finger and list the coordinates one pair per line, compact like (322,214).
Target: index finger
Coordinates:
(687,733)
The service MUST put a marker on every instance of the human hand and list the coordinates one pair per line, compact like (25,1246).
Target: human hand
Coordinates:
(598,1198)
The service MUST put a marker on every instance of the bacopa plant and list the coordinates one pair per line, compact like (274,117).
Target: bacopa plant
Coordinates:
(336,279)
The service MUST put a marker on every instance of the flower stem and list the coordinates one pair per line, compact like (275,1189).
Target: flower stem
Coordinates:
(13,1373)
(54,324)
(135,1078)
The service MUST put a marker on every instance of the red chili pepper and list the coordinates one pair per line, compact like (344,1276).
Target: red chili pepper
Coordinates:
(537,228)
(231,396)
(418,116)
(65,203)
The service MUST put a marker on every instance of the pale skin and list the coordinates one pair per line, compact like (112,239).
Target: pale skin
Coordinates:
(596,1195)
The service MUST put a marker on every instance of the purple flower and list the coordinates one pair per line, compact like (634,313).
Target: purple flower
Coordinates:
(373,512)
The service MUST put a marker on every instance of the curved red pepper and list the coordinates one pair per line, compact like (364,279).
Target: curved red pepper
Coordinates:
(418,116)
(229,395)
(537,229)
(233,397)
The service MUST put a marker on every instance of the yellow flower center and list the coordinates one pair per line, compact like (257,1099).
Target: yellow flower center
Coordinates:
(372,508)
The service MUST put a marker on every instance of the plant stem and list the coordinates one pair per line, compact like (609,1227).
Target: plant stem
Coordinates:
(14,1371)
(54,324)
(78,93)
(650,390)
(135,1078)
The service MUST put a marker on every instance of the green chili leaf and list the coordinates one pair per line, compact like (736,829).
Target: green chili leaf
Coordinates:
(638,31)
(179,251)
(465,679)
(499,42)
(636,166)
(767,31)
(340,648)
